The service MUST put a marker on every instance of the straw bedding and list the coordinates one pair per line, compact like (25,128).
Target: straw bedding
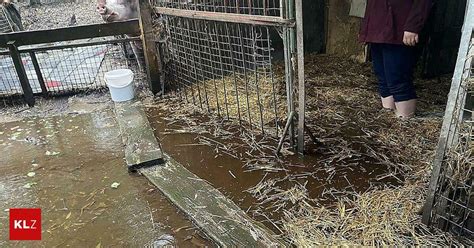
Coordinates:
(344,113)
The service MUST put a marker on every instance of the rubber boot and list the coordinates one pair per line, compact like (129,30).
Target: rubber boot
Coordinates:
(388,103)
(405,109)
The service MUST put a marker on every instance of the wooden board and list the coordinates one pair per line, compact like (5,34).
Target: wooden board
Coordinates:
(222,220)
(70,33)
(227,17)
(141,147)
(152,56)
(301,75)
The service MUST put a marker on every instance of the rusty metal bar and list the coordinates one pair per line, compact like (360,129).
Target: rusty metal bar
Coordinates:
(218,43)
(228,17)
(246,79)
(233,71)
(285,131)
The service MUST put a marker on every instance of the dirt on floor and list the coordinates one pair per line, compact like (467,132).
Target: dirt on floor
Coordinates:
(363,183)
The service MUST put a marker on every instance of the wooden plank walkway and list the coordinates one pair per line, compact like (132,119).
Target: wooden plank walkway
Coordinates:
(141,147)
(220,218)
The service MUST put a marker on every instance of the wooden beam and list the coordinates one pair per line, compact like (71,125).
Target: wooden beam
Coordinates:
(227,17)
(301,76)
(152,56)
(141,147)
(220,218)
(70,33)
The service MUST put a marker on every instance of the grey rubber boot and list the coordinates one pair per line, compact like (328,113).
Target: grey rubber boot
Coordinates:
(405,109)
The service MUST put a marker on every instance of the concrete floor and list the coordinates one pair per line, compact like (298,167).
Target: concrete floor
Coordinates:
(66,166)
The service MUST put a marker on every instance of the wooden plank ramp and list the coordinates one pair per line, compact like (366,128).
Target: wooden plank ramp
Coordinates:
(220,218)
(141,147)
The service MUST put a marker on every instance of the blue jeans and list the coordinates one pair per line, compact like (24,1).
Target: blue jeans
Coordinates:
(394,66)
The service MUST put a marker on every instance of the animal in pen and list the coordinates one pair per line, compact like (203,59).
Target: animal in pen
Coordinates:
(122,10)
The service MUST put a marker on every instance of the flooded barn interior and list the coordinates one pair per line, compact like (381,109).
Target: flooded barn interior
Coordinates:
(254,123)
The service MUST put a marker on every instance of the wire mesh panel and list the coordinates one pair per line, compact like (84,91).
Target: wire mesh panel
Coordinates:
(453,208)
(9,84)
(250,7)
(450,204)
(68,67)
(226,67)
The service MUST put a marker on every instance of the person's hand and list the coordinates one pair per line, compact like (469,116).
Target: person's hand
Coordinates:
(410,39)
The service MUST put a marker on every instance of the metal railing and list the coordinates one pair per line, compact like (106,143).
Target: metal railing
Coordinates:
(63,60)
(69,68)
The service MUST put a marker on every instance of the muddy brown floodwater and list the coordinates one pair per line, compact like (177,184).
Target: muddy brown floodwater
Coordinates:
(66,165)
(324,181)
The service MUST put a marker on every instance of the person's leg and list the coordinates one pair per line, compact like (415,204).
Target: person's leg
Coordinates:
(399,63)
(378,64)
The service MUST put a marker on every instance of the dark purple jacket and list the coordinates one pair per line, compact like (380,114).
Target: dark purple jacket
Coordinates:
(386,20)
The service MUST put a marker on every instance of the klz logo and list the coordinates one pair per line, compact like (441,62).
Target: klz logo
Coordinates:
(25,224)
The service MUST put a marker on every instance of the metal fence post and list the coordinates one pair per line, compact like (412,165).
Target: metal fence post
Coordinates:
(20,70)
(152,56)
(39,75)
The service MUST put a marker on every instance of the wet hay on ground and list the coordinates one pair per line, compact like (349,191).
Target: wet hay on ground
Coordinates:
(378,216)
(344,113)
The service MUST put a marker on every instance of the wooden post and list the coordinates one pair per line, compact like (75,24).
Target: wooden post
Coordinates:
(39,75)
(20,70)
(301,78)
(152,56)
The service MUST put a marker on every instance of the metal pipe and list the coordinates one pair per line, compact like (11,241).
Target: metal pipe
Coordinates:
(285,131)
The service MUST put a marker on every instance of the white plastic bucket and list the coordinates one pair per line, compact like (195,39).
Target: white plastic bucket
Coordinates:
(120,83)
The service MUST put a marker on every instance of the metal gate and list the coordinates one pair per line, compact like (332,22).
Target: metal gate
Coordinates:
(450,203)
(221,59)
